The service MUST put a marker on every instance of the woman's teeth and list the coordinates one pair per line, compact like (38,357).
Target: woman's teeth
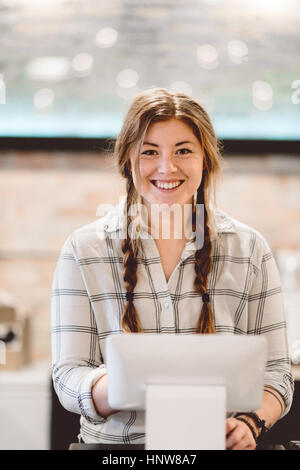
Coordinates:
(166,185)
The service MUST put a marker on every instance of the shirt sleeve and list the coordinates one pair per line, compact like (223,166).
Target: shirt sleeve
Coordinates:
(266,317)
(76,356)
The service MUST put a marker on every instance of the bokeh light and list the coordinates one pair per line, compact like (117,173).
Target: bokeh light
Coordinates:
(207,56)
(106,37)
(262,95)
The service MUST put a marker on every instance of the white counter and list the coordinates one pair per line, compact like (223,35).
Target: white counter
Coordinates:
(25,407)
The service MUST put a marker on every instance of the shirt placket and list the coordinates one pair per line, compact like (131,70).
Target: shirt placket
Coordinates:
(163,289)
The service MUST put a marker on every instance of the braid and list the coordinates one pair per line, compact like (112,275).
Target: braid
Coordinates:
(203,265)
(130,319)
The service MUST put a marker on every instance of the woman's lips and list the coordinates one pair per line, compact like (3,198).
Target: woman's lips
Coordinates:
(167,189)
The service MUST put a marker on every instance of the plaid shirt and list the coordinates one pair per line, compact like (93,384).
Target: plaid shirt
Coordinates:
(88,297)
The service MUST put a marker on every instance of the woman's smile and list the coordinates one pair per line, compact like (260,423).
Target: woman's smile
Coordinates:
(167,185)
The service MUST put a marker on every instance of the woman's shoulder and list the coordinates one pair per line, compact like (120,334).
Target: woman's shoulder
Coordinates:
(108,221)
(240,234)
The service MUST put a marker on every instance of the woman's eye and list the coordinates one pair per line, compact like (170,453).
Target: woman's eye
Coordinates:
(154,153)
(184,151)
(149,152)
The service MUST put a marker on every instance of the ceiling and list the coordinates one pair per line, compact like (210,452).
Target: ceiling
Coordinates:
(71,67)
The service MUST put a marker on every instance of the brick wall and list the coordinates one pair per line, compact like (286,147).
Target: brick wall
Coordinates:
(44,197)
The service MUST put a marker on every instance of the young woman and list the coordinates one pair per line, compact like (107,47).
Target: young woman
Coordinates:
(115,276)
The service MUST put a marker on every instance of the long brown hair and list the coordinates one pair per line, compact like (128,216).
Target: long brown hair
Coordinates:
(160,104)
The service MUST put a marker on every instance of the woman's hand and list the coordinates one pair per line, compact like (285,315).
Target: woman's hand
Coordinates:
(239,435)
(100,397)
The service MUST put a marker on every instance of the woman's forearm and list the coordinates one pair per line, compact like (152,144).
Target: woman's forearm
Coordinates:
(100,397)
(271,409)
(272,406)
(274,403)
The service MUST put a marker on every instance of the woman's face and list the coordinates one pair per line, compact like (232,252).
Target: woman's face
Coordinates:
(170,154)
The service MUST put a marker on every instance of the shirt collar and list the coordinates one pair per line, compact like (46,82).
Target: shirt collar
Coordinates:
(115,219)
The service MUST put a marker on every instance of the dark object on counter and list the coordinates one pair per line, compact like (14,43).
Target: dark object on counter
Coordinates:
(293,445)
(83,446)
(10,336)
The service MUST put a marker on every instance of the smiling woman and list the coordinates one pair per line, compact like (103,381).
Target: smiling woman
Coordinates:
(108,281)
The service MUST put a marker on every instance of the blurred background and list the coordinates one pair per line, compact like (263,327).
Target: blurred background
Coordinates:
(68,72)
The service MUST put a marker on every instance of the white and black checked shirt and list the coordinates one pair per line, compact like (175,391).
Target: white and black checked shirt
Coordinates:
(88,297)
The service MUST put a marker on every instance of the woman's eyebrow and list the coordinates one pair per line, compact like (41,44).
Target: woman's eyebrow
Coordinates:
(149,143)
(184,142)
(176,145)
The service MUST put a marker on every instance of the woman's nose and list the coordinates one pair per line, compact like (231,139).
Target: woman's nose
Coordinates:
(166,164)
